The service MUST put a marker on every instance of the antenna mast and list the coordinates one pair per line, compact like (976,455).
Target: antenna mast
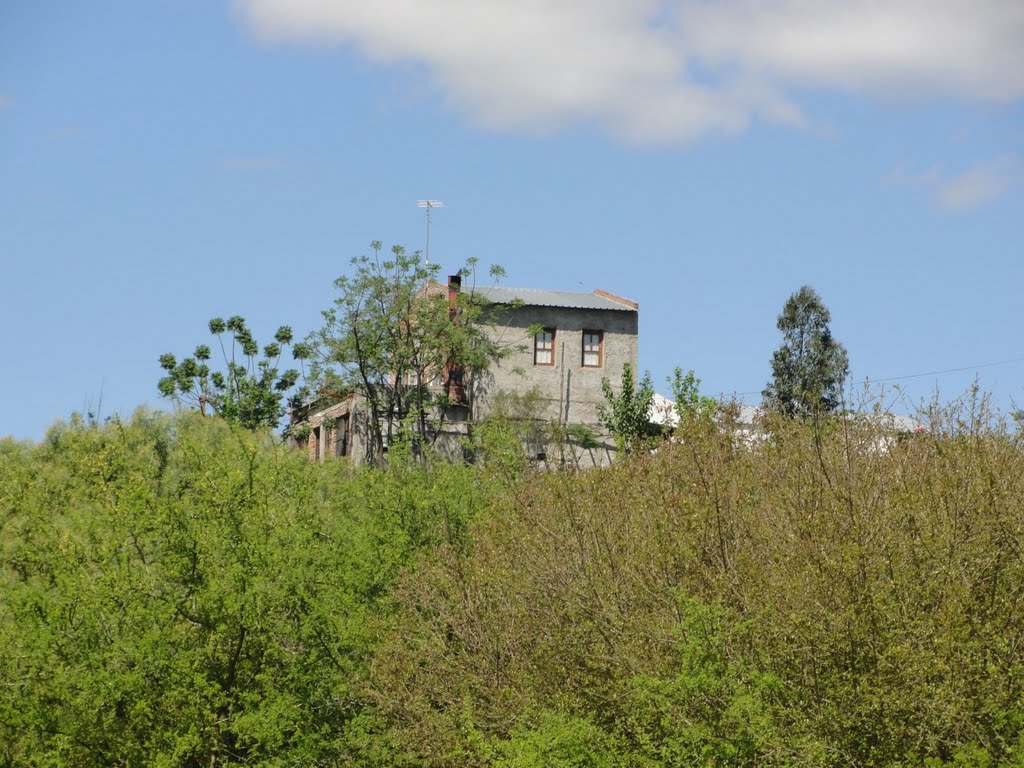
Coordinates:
(428,204)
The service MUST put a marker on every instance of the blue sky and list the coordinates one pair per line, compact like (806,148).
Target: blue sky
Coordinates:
(169,161)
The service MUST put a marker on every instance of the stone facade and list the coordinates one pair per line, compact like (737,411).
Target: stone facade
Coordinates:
(565,376)
(337,431)
(570,389)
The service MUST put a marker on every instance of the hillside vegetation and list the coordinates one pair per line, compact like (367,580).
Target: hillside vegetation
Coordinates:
(178,592)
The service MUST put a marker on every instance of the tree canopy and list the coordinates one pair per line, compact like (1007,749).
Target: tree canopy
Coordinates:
(626,413)
(809,369)
(392,337)
(249,390)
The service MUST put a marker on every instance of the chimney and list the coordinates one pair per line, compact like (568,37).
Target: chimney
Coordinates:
(454,286)
(453,372)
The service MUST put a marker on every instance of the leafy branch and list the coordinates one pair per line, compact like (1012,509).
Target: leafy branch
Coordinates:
(249,389)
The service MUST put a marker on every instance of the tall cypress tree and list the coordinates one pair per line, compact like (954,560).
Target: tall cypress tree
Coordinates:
(809,368)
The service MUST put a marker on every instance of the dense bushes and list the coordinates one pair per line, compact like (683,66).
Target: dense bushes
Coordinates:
(829,596)
(177,592)
(186,593)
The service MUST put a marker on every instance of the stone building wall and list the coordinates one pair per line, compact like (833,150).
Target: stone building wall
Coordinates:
(570,390)
(339,427)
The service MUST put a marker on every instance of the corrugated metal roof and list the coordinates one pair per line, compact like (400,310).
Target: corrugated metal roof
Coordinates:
(539,297)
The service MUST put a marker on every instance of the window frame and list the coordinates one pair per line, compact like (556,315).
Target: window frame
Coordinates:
(583,348)
(549,349)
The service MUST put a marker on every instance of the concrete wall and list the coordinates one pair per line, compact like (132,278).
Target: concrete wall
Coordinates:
(571,391)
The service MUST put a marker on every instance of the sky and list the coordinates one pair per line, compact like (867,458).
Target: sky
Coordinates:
(168,161)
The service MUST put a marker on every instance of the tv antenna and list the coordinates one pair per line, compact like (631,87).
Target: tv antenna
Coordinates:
(428,204)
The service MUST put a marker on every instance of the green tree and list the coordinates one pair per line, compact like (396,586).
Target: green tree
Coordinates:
(627,413)
(690,404)
(392,338)
(249,390)
(176,592)
(809,368)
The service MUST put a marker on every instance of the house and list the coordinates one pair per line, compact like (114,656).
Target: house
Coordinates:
(558,345)
(333,432)
(583,338)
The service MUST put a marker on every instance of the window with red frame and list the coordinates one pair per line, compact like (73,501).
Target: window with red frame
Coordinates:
(544,347)
(593,349)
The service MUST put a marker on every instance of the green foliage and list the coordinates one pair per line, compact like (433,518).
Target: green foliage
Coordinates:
(690,404)
(627,413)
(558,740)
(249,390)
(181,592)
(1018,418)
(517,432)
(514,432)
(824,598)
(391,338)
(809,369)
(582,436)
(716,708)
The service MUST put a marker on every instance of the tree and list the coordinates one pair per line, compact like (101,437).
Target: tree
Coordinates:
(627,413)
(177,592)
(809,368)
(690,404)
(249,390)
(394,338)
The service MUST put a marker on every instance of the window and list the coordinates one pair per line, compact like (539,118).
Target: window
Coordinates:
(593,349)
(544,347)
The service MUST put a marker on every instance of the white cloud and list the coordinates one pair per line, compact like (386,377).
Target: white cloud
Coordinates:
(965,49)
(964,191)
(978,185)
(669,70)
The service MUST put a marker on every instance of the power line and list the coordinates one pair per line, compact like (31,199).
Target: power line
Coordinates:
(1019,359)
(948,370)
